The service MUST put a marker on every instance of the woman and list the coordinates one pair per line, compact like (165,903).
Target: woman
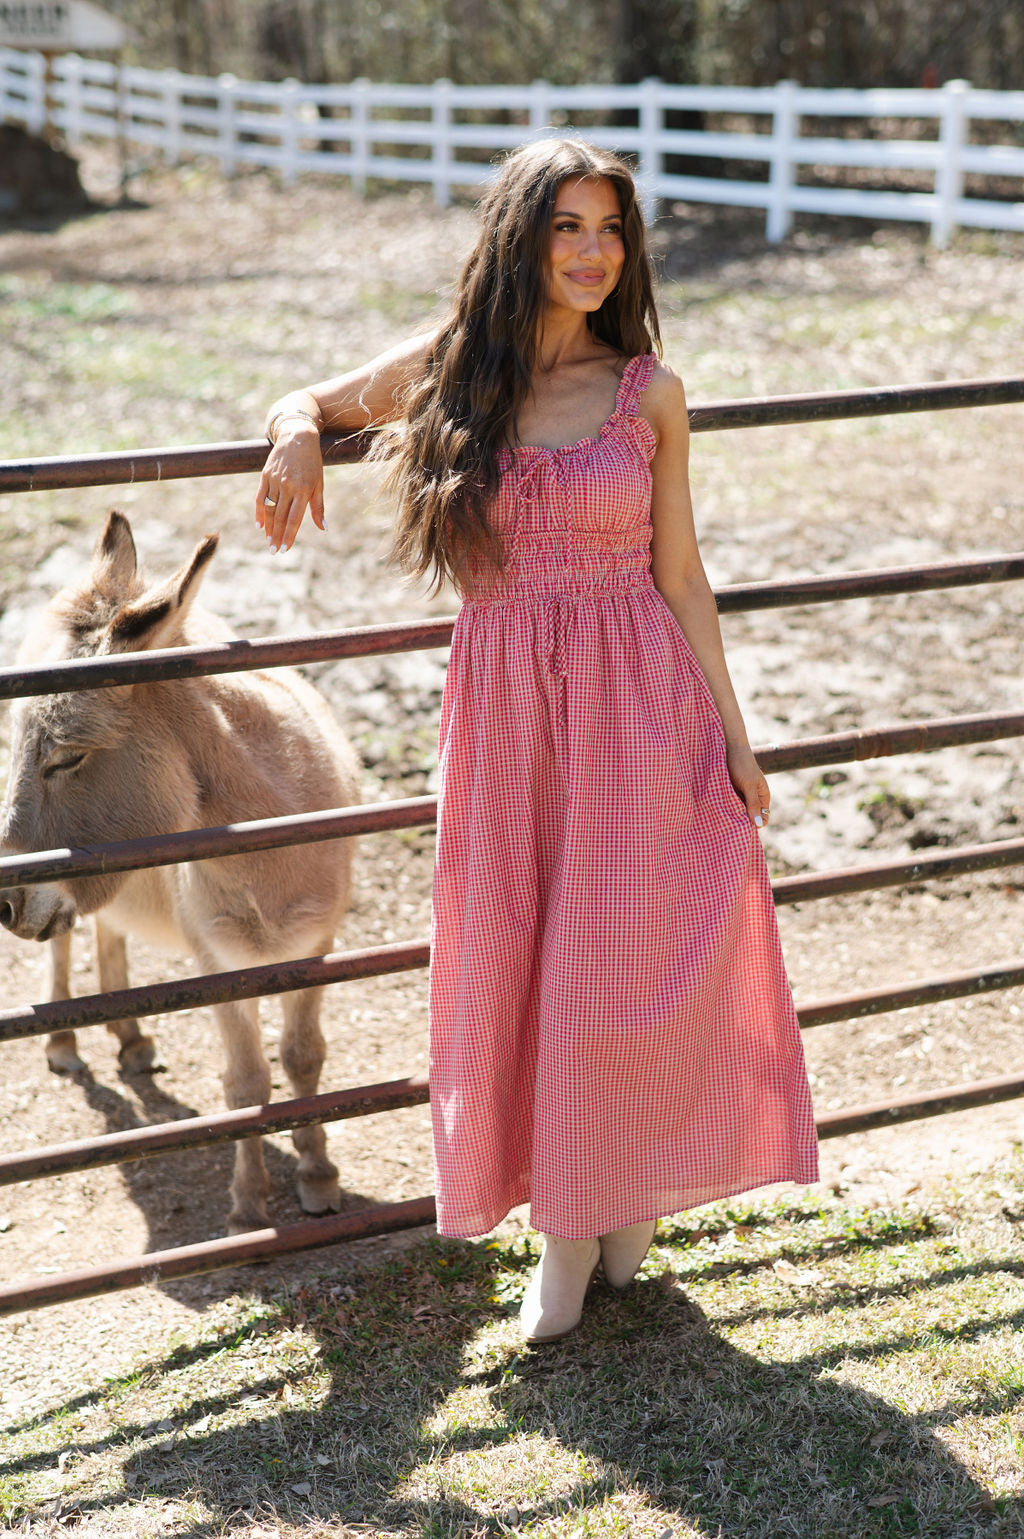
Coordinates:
(612,1034)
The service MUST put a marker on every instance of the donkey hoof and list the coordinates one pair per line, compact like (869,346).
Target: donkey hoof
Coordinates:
(319,1194)
(241,1221)
(65,1060)
(140,1057)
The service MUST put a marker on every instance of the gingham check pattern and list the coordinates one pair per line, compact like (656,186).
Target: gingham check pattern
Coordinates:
(612,1036)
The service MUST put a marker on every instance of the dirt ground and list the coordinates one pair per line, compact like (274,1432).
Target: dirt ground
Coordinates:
(177,318)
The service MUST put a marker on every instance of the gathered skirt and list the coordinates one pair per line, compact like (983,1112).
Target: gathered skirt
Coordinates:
(612,1034)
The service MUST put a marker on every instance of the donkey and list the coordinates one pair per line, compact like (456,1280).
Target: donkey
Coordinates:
(152,758)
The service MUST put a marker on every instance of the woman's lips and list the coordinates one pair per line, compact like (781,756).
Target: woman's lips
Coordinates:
(587,275)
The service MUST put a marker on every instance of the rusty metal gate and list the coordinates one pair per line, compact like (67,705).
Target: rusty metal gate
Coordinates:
(202,844)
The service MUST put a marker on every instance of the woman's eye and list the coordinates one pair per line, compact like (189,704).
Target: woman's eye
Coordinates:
(68,761)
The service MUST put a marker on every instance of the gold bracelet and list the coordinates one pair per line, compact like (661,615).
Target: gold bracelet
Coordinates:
(283,415)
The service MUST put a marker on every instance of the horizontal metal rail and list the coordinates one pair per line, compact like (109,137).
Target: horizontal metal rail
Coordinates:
(220,1128)
(216,1255)
(378,640)
(54,472)
(236,656)
(898,873)
(389,1218)
(342,966)
(421,811)
(924,991)
(211,843)
(913,1108)
(885,742)
(211,989)
(334,1106)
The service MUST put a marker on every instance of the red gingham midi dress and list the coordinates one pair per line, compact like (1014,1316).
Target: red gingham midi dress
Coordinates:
(612,1035)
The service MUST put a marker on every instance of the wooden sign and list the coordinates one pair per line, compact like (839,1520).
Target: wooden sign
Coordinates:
(59,26)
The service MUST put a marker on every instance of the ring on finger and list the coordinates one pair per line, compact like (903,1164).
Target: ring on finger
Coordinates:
(270,502)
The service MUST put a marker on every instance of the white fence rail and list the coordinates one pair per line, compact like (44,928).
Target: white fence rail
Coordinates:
(446,134)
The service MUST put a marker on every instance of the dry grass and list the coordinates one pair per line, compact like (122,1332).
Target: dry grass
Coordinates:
(798,1367)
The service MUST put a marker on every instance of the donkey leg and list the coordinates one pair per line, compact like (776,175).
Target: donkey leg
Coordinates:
(138,1053)
(302,1056)
(246,1082)
(61,1050)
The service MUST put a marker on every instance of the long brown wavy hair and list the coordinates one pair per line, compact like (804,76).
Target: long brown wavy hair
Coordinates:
(463,411)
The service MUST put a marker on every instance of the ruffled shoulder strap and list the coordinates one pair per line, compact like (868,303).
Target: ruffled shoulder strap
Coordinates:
(636,376)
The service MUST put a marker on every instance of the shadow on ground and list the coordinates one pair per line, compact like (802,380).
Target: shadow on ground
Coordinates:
(420,1413)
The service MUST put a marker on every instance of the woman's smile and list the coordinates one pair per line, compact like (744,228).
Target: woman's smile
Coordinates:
(586,251)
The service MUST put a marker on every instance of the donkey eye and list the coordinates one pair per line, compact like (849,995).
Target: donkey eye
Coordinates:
(67,761)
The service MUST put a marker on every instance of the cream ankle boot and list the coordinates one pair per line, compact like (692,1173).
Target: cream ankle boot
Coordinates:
(623,1251)
(553,1302)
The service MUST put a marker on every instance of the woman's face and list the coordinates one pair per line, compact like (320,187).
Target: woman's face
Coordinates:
(586,250)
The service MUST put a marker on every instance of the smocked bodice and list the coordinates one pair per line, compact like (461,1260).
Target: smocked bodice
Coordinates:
(577,519)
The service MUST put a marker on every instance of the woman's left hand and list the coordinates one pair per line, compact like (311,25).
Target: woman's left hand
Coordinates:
(750,785)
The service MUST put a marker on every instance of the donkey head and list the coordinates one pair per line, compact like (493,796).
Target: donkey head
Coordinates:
(104,764)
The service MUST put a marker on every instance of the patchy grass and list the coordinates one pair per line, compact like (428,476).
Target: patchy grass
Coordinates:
(790,1367)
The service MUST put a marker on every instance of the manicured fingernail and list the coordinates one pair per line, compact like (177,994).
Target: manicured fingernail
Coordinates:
(273,550)
(759,820)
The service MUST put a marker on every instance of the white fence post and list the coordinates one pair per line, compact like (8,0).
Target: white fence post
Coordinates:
(359,115)
(785,128)
(649,122)
(540,107)
(171,93)
(949,179)
(441,149)
(287,107)
(227,87)
(72,76)
(35,92)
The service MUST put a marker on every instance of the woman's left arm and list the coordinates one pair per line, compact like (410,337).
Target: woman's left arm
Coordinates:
(680,578)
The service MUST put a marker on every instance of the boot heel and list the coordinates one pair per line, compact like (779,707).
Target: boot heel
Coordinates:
(623,1252)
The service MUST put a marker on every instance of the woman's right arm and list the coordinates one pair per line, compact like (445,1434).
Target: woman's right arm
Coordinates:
(293,476)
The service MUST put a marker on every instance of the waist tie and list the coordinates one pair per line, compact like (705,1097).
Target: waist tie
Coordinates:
(555,624)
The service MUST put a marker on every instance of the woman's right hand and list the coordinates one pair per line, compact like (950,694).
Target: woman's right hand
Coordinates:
(292,481)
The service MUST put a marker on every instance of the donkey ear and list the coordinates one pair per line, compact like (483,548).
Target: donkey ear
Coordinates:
(185,582)
(157,619)
(114,560)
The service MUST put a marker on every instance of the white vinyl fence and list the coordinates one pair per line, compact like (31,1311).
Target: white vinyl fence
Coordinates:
(447,135)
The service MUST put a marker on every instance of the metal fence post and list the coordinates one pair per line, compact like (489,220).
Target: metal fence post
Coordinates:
(785,128)
(949,179)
